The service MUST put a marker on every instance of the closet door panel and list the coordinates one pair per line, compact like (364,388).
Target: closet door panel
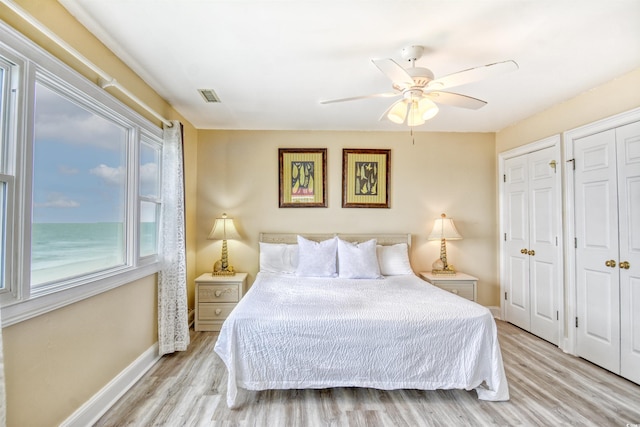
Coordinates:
(517,230)
(543,306)
(543,232)
(596,225)
(628,144)
(599,326)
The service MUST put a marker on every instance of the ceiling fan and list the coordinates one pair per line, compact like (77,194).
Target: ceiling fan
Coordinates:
(420,91)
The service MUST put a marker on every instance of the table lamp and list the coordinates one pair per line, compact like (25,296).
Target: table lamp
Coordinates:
(443,229)
(223,229)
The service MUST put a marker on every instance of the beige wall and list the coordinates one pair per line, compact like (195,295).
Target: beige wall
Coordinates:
(55,362)
(452,173)
(614,97)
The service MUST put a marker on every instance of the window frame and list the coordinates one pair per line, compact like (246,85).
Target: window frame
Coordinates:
(19,301)
(157,200)
(12,104)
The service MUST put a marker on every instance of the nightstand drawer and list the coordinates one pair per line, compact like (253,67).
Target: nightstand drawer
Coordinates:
(214,311)
(465,290)
(218,293)
(460,284)
(216,296)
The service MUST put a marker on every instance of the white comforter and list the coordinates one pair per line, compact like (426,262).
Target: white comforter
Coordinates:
(393,333)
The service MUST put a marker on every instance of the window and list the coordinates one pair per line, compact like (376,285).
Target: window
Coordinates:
(8,80)
(4,66)
(3,233)
(80,180)
(149,194)
(79,190)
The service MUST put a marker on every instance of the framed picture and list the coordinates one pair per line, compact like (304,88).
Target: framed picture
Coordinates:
(303,177)
(365,178)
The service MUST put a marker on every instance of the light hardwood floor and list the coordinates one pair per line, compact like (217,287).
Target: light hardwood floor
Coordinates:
(547,387)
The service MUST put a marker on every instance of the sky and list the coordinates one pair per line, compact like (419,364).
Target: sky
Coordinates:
(80,164)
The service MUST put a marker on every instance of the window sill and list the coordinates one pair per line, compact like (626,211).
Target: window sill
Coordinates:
(20,311)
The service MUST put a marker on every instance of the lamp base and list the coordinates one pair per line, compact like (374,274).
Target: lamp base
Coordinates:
(439,267)
(218,270)
(443,272)
(223,273)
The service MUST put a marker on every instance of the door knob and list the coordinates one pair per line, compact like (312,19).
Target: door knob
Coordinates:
(610,263)
(625,265)
(532,252)
(523,251)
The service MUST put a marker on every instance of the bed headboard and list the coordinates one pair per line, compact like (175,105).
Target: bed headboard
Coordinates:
(291,238)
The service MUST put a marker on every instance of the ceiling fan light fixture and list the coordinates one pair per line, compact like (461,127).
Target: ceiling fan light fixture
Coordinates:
(398,112)
(419,88)
(428,109)
(414,118)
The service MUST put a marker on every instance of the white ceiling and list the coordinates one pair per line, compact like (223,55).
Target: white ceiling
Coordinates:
(272,61)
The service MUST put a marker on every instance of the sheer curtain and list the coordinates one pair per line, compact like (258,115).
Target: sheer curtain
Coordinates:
(173,322)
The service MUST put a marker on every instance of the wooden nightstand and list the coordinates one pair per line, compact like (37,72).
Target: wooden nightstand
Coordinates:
(216,296)
(460,283)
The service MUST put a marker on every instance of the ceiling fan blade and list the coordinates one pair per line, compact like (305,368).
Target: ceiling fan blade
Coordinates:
(395,72)
(472,75)
(353,98)
(455,99)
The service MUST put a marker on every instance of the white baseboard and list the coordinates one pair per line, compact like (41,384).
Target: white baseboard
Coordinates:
(191,317)
(495,311)
(95,407)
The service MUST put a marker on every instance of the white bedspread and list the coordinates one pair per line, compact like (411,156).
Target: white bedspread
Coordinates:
(393,333)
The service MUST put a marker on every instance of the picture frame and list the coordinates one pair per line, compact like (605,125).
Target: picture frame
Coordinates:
(303,177)
(365,178)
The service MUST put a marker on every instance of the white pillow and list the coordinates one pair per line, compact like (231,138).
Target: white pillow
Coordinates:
(278,258)
(394,259)
(317,259)
(358,261)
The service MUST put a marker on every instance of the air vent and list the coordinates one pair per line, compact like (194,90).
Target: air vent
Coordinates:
(209,95)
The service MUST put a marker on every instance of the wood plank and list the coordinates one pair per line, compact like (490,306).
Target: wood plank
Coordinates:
(547,387)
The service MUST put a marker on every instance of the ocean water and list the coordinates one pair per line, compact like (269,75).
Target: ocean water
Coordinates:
(64,250)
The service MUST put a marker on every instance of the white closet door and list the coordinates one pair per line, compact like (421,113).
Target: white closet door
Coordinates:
(543,244)
(532,228)
(517,305)
(628,146)
(596,228)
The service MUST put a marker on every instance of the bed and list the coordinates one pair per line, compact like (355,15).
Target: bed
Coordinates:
(385,329)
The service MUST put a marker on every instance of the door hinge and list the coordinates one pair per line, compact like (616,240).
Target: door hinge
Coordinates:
(556,240)
(505,296)
(575,242)
(574,163)
(576,321)
(504,178)
(505,237)
(557,315)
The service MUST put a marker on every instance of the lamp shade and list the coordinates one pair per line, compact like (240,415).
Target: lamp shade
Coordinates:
(414,117)
(398,112)
(428,109)
(224,229)
(444,228)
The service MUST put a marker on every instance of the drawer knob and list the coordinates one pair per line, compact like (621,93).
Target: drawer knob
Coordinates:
(218,293)
(454,291)
(218,311)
